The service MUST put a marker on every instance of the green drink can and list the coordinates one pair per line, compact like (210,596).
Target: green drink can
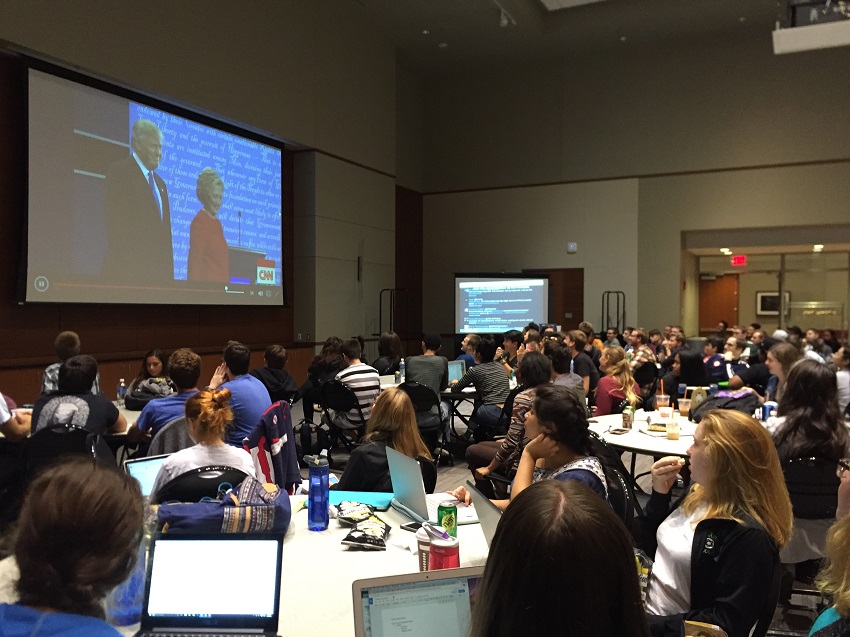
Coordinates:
(447,517)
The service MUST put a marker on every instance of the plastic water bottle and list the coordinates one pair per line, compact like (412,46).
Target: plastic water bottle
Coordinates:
(401,369)
(317,501)
(121,392)
(123,606)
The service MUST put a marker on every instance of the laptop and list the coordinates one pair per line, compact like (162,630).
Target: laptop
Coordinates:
(409,492)
(456,370)
(213,584)
(488,513)
(145,470)
(404,605)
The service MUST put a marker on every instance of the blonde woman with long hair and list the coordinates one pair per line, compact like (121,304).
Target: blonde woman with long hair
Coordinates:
(618,384)
(717,551)
(393,424)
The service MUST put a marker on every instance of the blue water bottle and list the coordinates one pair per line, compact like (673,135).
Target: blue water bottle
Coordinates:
(317,501)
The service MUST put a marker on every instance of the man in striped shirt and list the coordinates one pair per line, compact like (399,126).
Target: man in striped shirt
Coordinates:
(360,378)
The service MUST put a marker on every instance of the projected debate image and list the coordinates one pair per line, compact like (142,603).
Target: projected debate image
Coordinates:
(132,204)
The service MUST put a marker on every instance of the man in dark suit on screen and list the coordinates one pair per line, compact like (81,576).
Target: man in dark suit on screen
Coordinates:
(139,250)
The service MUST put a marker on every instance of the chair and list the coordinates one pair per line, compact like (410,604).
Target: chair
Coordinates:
(813,489)
(646,376)
(336,396)
(426,405)
(197,484)
(429,474)
(173,437)
(48,445)
(812,486)
(484,432)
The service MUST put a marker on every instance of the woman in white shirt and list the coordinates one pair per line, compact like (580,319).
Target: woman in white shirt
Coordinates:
(208,415)
(717,551)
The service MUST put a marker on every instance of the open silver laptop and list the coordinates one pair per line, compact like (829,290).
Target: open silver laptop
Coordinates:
(456,370)
(488,513)
(214,585)
(145,470)
(409,492)
(427,604)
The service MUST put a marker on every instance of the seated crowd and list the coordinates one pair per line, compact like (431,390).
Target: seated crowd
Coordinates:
(721,549)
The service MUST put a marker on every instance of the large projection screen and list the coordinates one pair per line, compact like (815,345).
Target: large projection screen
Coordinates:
(103,228)
(497,303)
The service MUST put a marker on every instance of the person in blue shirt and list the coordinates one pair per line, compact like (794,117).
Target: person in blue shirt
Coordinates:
(249,397)
(467,349)
(184,366)
(78,538)
(713,360)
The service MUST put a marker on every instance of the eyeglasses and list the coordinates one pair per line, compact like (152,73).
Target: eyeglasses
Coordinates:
(843,465)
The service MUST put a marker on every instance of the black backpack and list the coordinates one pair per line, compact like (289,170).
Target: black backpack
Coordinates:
(745,400)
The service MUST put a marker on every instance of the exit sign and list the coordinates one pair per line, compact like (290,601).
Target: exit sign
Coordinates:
(739,260)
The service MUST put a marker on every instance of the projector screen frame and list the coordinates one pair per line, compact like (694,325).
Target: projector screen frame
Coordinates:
(498,276)
(191,113)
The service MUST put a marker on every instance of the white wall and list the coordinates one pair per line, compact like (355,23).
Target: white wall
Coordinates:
(516,228)
(690,120)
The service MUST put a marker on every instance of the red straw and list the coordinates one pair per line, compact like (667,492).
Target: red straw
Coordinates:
(662,387)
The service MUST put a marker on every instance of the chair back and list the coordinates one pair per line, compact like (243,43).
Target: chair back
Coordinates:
(422,397)
(620,496)
(429,473)
(272,447)
(49,444)
(812,486)
(173,437)
(197,484)
(337,396)
(766,616)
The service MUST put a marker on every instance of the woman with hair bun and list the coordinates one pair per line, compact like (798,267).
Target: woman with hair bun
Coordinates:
(392,424)
(77,539)
(208,416)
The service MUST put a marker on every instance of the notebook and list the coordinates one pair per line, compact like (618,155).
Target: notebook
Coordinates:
(488,513)
(145,470)
(456,370)
(410,497)
(429,603)
(213,584)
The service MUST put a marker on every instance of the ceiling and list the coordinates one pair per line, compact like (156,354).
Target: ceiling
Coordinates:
(464,33)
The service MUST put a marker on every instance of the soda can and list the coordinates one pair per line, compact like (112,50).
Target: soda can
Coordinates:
(397,378)
(447,517)
(444,554)
(628,417)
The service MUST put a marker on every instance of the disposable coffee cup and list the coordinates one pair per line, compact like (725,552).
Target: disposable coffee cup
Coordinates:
(662,400)
(685,407)
(673,429)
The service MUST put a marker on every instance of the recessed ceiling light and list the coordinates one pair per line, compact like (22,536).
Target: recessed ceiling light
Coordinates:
(426,32)
(725,250)
(443,45)
(623,38)
(817,247)
(742,18)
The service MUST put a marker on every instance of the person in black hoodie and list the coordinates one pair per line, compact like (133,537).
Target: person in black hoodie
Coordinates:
(717,551)
(278,381)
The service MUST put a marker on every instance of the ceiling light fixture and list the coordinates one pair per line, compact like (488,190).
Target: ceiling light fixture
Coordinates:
(503,19)
(426,32)
(817,247)
(443,45)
